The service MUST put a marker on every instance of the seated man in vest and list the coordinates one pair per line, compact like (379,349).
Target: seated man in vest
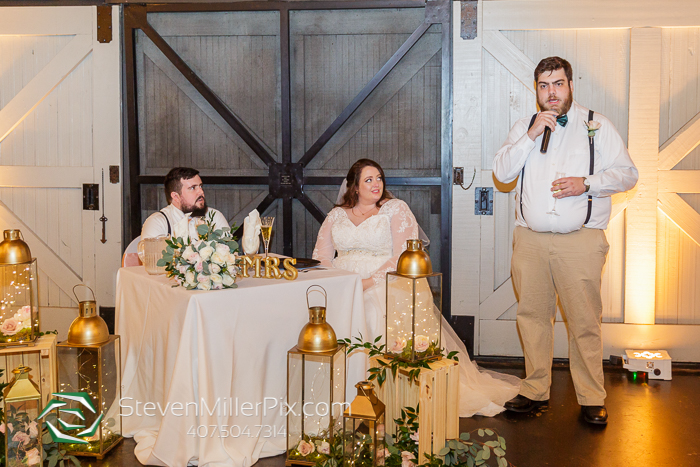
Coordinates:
(185,195)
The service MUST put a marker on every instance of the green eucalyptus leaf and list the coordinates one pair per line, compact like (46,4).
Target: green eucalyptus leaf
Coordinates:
(502,440)
(464,436)
(499,452)
(502,462)
(481,432)
(486,453)
(470,462)
(489,432)
(444,451)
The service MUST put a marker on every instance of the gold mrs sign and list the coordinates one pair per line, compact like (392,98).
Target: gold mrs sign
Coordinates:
(269,268)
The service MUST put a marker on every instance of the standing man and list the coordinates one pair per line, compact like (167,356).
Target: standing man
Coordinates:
(559,247)
(186,202)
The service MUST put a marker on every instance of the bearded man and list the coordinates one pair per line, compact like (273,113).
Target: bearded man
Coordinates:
(563,205)
(186,204)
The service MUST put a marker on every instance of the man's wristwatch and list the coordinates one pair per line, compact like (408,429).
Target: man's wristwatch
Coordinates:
(587,184)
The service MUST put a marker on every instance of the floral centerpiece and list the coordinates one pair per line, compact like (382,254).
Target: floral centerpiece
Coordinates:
(207,263)
(19,325)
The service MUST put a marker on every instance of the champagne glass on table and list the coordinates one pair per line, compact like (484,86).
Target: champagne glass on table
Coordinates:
(554,207)
(266,231)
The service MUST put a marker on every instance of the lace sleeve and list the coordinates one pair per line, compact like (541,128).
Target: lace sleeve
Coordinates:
(403,227)
(324,251)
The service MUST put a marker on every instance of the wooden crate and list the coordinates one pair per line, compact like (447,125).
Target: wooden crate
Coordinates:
(437,391)
(41,358)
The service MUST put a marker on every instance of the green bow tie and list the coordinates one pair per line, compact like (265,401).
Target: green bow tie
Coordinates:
(562,120)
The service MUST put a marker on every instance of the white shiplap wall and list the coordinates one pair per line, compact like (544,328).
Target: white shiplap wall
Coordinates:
(678,256)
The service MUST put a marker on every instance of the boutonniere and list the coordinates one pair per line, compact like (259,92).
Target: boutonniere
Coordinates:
(592,126)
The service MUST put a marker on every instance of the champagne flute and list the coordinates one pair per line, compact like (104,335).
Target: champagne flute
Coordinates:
(266,231)
(554,207)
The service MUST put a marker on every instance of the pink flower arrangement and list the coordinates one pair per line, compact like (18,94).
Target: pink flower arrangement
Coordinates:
(398,345)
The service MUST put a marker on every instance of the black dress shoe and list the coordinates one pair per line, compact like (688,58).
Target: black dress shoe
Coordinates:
(523,404)
(596,414)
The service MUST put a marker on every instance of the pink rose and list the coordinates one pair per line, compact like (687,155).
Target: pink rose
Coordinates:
(305,448)
(198,266)
(10,327)
(21,437)
(414,437)
(422,343)
(398,345)
(2,428)
(182,269)
(33,457)
(203,278)
(380,431)
(33,430)
(406,458)
(324,448)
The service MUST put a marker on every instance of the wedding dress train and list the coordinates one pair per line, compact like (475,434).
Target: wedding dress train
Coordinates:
(371,249)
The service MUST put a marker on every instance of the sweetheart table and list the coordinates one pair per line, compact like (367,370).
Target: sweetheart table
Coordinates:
(204,373)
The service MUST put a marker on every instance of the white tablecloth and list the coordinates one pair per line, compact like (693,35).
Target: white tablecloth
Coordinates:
(184,348)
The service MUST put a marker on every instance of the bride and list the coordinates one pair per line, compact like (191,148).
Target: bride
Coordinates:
(368,229)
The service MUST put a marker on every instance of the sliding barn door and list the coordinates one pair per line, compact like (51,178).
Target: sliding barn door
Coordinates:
(59,129)
(274,102)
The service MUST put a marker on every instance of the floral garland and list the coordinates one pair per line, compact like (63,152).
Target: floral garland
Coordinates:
(208,263)
(379,373)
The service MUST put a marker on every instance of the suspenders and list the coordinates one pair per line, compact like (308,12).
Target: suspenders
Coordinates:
(168,222)
(591,147)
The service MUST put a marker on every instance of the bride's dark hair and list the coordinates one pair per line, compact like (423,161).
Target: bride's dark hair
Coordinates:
(351,197)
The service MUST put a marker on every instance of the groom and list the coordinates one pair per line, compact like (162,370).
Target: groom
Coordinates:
(559,246)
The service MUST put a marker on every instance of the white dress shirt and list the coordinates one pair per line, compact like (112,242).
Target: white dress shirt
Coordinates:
(180,223)
(568,152)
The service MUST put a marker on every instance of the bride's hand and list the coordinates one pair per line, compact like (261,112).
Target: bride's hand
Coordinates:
(367,283)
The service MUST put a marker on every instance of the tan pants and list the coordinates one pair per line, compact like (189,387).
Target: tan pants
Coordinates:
(569,265)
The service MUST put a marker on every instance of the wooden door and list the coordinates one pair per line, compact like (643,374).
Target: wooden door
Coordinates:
(645,80)
(273,103)
(59,129)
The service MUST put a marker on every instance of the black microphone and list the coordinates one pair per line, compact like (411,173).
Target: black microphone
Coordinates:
(545,139)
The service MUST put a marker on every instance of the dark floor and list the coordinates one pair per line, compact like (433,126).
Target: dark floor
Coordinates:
(651,424)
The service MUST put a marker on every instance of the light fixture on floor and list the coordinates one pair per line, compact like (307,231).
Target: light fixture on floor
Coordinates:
(656,363)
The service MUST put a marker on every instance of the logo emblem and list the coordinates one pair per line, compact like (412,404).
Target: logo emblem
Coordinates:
(59,436)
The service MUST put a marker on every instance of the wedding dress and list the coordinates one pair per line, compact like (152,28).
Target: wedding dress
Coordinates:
(371,249)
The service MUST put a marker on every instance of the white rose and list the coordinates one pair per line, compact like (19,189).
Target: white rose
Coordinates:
(188,254)
(222,249)
(24,313)
(593,125)
(228,280)
(215,268)
(189,277)
(205,253)
(204,285)
(218,258)
(216,278)
(231,260)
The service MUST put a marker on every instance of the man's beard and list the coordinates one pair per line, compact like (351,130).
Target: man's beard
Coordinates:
(195,211)
(565,106)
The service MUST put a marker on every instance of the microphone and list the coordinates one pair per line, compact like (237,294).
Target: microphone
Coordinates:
(545,139)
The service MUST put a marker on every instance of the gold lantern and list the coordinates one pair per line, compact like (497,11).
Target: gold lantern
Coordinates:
(89,362)
(19,298)
(89,327)
(363,433)
(315,390)
(413,307)
(22,427)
